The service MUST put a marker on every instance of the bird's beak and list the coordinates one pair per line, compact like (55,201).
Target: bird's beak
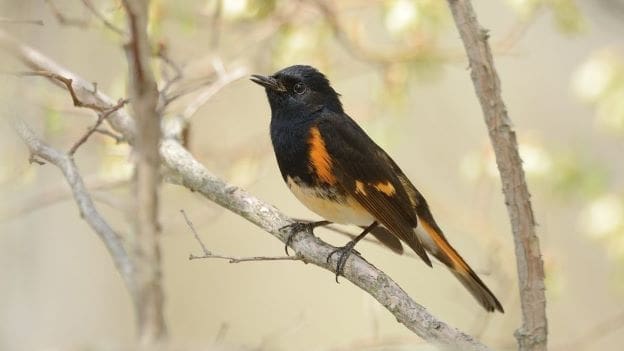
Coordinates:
(268,82)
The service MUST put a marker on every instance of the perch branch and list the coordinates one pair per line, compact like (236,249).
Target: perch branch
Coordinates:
(533,333)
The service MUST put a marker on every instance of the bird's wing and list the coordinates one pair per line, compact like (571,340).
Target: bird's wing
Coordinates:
(442,249)
(362,169)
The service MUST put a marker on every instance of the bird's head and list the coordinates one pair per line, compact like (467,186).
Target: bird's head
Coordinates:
(299,90)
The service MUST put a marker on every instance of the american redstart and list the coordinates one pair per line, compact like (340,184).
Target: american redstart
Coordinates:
(334,168)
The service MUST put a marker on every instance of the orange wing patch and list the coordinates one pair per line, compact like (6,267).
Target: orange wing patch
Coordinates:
(359,188)
(319,158)
(386,188)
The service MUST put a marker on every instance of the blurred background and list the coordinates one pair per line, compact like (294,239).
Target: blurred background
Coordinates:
(401,70)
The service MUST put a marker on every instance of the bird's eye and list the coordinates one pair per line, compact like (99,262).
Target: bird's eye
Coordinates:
(299,88)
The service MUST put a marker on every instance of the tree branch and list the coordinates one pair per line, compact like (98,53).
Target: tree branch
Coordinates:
(533,333)
(185,170)
(83,90)
(208,254)
(87,209)
(102,18)
(144,100)
(101,118)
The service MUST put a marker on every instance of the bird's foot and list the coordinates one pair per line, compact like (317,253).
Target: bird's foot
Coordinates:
(343,254)
(298,227)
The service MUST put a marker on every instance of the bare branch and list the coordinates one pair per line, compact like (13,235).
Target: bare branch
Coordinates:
(101,117)
(230,259)
(224,79)
(208,254)
(533,333)
(83,200)
(192,227)
(103,18)
(118,138)
(63,19)
(144,97)
(82,90)
(355,47)
(178,73)
(68,84)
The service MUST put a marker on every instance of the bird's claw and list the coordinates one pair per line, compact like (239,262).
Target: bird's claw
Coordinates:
(343,254)
(293,229)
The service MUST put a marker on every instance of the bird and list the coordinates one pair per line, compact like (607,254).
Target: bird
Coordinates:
(335,169)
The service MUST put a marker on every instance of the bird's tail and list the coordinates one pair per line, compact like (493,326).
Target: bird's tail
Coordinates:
(443,251)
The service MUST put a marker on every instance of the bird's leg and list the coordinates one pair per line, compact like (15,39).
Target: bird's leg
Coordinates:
(346,250)
(298,227)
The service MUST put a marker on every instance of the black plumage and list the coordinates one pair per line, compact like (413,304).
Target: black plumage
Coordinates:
(335,169)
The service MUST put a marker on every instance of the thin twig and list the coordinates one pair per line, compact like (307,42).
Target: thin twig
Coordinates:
(118,138)
(178,73)
(231,259)
(534,331)
(101,118)
(36,61)
(208,254)
(83,199)
(103,18)
(68,84)
(190,224)
(63,19)
(224,79)
(33,159)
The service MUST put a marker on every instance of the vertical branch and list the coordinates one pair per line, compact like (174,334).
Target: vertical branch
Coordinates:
(144,99)
(533,333)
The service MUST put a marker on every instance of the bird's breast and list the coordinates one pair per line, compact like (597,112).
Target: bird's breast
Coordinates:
(329,203)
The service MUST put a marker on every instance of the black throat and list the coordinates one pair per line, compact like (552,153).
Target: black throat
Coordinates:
(290,142)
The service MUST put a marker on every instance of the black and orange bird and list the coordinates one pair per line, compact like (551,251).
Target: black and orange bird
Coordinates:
(335,169)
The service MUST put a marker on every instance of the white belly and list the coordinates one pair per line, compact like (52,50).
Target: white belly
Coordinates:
(342,210)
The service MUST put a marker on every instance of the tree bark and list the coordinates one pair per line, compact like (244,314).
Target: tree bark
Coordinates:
(533,333)
(144,100)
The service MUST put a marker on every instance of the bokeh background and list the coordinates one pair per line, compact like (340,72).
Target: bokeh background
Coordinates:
(400,67)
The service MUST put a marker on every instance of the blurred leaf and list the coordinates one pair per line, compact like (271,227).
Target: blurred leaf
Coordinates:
(408,16)
(603,216)
(155,18)
(115,162)
(525,8)
(600,82)
(574,175)
(241,10)
(53,120)
(301,44)
(567,16)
